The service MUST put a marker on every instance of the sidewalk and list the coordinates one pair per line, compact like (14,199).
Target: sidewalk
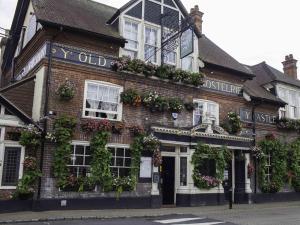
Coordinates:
(125,213)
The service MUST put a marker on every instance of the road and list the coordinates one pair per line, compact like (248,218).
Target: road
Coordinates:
(256,214)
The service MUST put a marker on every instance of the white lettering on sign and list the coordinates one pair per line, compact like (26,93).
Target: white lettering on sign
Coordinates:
(40,54)
(222,86)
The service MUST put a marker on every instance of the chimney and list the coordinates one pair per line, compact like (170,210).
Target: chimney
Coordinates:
(290,66)
(196,16)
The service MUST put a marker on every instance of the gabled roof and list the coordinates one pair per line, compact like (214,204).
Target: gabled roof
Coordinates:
(81,15)
(15,110)
(266,74)
(212,54)
(131,2)
(256,92)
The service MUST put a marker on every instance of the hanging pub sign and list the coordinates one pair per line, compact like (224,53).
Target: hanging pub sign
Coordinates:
(186,43)
(260,117)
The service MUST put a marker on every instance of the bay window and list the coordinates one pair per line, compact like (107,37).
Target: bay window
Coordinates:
(150,44)
(205,110)
(102,101)
(131,34)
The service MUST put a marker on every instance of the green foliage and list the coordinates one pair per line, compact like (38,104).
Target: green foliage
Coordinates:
(233,123)
(278,152)
(26,185)
(101,159)
(66,91)
(131,97)
(175,105)
(63,131)
(294,164)
(163,72)
(202,153)
(288,124)
(30,138)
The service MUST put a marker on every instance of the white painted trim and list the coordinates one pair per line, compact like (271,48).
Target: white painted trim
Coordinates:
(22,157)
(97,82)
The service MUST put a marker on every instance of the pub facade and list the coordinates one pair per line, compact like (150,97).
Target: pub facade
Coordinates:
(131,107)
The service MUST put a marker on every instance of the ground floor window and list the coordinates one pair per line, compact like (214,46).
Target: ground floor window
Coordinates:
(11,167)
(80,160)
(121,161)
(208,168)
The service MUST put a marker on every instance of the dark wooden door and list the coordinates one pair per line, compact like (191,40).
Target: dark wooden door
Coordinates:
(168,180)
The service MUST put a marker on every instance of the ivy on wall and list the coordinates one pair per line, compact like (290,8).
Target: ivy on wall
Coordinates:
(205,152)
(63,131)
(278,165)
(294,164)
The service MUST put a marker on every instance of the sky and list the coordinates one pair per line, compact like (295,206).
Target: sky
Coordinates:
(251,31)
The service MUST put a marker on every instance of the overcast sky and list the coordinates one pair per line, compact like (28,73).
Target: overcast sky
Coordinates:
(251,31)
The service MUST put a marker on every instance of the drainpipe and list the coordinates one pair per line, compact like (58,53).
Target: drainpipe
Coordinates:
(46,106)
(254,143)
(48,80)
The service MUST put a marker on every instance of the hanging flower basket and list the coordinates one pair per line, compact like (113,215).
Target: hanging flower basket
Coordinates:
(66,91)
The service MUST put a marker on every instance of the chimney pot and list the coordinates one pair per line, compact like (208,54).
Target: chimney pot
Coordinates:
(196,16)
(290,66)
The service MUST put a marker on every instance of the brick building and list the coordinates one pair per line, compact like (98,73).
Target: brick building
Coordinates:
(77,41)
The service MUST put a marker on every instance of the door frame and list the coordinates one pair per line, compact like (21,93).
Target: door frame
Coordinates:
(177,154)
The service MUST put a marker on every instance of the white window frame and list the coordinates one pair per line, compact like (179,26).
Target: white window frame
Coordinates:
(81,143)
(120,105)
(192,66)
(284,92)
(4,144)
(115,145)
(137,50)
(156,46)
(205,108)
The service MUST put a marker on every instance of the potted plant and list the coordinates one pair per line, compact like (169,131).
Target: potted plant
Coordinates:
(118,127)
(175,105)
(136,130)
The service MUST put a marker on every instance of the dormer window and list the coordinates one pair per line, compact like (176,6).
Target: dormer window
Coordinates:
(131,33)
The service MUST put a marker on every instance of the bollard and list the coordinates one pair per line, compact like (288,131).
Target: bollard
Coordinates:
(230,198)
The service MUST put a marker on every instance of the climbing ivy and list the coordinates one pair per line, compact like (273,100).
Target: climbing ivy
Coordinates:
(294,164)
(63,129)
(203,152)
(278,165)
(101,159)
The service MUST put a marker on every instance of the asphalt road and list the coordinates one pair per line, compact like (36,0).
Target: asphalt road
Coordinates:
(169,219)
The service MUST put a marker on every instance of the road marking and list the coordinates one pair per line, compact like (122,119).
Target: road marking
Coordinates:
(177,220)
(204,223)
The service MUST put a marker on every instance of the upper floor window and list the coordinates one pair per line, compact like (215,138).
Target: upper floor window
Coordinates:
(187,63)
(131,33)
(206,110)
(102,100)
(150,44)
(292,109)
(31,29)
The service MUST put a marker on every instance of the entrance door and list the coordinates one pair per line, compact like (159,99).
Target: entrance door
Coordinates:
(168,180)
(239,178)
